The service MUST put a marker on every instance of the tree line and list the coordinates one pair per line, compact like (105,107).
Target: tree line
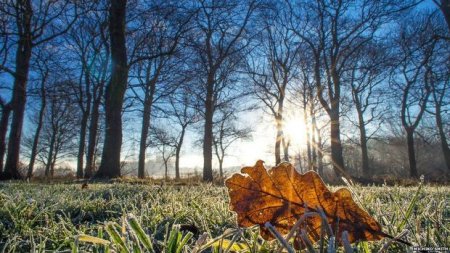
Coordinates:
(364,74)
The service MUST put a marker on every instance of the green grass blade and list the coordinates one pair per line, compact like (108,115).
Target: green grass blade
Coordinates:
(116,238)
(174,239)
(410,209)
(139,231)
(74,247)
(365,247)
(184,241)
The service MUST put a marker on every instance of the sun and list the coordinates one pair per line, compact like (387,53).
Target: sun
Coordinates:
(294,130)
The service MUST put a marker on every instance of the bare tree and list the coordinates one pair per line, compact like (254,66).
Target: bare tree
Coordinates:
(115,91)
(334,31)
(305,90)
(90,52)
(59,127)
(99,80)
(142,52)
(440,94)
(366,77)
(165,142)
(440,83)
(163,28)
(33,23)
(43,65)
(313,115)
(183,113)
(149,75)
(416,46)
(273,68)
(226,133)
(220,37)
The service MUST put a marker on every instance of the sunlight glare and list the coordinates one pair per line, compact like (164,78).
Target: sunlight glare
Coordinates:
(294,130)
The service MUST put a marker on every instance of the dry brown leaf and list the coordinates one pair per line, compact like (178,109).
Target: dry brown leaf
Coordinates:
(281,196)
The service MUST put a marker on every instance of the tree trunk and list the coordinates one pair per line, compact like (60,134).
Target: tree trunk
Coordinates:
(143,141)
(411,153)
(319,150)
(19,96)
(363,140)
(364,152)
(37,133)
(166,169)
(3,130)
(307,137)
(314,143)
(178,152)
(110,165)
(286,144)
(52,167)
(221,169)
(148,103)
(48,164)
(319,156)
(92,142)
(50,156)
(278,138)
(86,111)
(12,160)
(444,143)
(208,130)
(82,141)
(336,145)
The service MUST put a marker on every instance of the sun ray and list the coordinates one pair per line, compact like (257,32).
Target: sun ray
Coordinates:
(294,130)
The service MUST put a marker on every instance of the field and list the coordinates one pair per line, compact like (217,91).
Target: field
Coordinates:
(51,217)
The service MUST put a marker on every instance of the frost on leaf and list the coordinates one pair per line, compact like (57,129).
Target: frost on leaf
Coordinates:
(281,196)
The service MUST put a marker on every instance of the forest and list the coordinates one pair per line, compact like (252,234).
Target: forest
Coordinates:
(190,126)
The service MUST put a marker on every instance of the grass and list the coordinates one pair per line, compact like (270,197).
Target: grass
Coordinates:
(125,217)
